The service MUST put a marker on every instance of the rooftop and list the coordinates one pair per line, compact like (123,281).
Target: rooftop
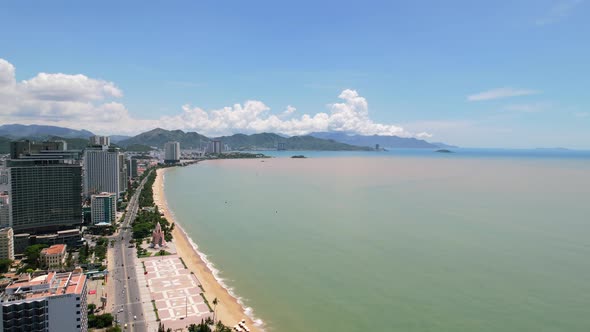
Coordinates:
(52,284)
(54,249)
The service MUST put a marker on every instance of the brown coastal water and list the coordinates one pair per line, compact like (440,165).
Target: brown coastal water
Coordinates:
(396,244)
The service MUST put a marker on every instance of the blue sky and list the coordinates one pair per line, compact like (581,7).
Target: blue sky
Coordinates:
(413,68)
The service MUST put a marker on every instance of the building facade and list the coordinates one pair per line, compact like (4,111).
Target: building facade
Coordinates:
(52,302)
(172,152)
(7,243)
(123,173)
(54,256)
(217,147)
(104,171)
(45,187)
(70,237)
(4,209)
(100,140)
(103,208)
(132,168)
(45,196)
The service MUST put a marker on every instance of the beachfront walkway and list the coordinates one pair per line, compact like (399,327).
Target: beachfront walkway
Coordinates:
(176,292)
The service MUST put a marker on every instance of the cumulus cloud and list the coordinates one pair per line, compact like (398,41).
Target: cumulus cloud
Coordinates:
(500,93)
(57,98)
(78,101)
(288,111)
(349,116)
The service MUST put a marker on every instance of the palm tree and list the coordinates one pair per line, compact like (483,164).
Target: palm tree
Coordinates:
(215,302)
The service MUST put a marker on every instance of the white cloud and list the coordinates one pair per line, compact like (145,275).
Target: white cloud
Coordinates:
(289,110)
(559,11)
(77,101)
(528,108)
(500,93)
(423,135)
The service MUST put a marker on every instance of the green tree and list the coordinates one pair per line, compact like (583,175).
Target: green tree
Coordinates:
(33,254)
(215,303)
(91,308)
(5,264)
(100,321)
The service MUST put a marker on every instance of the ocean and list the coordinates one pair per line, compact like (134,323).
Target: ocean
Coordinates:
(410,240)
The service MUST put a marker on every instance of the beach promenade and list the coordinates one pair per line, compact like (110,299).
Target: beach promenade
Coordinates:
(229,311)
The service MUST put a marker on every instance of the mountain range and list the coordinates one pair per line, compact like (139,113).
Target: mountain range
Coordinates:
(326,141)
(17,131)
(391,142)
(263,141)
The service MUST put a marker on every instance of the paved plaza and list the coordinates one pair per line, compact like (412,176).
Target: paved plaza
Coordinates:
(176,292)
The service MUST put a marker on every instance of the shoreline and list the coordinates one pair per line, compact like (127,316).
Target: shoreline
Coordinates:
(230,310)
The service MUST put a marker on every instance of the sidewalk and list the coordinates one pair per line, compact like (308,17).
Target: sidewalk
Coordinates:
(146,300)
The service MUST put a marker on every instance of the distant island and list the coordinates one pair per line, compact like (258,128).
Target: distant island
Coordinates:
(444,151)
(299,156)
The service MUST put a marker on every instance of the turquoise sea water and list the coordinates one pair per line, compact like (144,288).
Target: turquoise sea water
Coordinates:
(397,242)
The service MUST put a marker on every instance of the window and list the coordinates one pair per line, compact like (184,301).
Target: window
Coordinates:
(78,305)
(77,312)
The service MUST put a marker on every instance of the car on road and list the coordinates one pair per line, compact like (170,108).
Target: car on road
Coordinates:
(134,317)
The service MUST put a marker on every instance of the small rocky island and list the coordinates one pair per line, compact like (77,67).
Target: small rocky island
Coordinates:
(299,156)
(444,151)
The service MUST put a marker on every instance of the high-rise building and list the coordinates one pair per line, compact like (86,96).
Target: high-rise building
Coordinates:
(104,208)
(100,140)
(45,187)
(4,180)
(52,302)
(4,210)
(123,173)
(24,148)
(217,147)
(7,243)
(131,168)
(172,152)
(104,171)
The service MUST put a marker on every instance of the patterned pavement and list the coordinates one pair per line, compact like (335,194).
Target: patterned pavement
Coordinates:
(176,292)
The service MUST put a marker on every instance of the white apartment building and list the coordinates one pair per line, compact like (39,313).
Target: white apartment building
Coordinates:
(104,171)
(52,302)
(4,210)
(100,140)
(172,152)
(7,243)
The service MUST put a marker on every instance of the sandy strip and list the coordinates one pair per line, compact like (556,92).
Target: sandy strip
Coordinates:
(229,311)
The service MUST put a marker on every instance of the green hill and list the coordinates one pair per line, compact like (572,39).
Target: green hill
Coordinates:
(158,137)
(263,141)
(4,145)
(270,141)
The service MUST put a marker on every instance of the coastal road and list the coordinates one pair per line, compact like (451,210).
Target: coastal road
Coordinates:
(127,303)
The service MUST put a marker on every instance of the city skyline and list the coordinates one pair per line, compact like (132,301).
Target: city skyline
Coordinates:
(468,74)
